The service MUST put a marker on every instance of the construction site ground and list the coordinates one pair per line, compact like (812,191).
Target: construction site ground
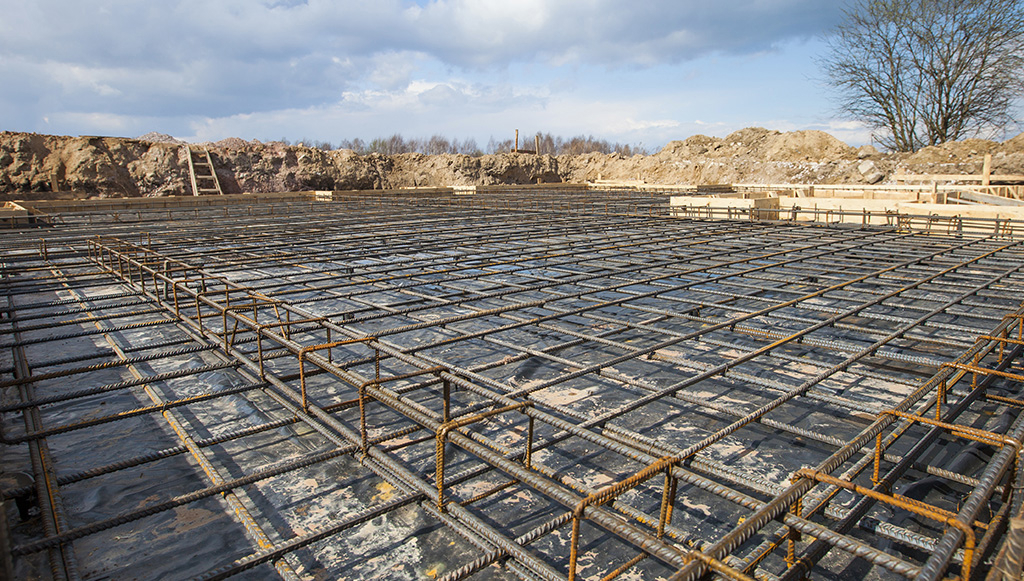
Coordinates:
(494,385)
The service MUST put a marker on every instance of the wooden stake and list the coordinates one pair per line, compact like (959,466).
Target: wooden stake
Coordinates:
(986,172)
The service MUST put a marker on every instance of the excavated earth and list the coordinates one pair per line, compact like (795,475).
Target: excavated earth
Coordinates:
(34,165)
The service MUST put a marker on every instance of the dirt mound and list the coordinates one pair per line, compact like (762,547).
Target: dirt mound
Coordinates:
(806,146)
(155,137)
(254,167)
(754,154)
(694,146)
(155,164)
(758,143)
(953,152)
(231,143)
(1014,145)
(750,141)
(93,165)
(418,170)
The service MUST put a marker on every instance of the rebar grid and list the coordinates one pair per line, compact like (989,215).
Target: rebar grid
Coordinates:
(573,392)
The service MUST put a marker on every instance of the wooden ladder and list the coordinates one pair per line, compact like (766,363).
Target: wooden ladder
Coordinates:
(200,169)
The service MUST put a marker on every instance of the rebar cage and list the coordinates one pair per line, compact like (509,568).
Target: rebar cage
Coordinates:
(489,386)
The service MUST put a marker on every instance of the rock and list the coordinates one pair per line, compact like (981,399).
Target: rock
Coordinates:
(869,171)
(866,151)
(874,177)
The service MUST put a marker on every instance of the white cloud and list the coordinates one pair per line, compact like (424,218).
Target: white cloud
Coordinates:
(73,78)
(608,32)
(98,123)
(392,70)
(451,109)
(467,67)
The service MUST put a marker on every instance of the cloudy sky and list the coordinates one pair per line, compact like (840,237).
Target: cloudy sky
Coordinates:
(638,72)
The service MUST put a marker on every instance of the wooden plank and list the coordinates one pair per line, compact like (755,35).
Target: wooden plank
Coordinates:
(161,202)
(989,199)
(956,178)
(213,172)
(191,170)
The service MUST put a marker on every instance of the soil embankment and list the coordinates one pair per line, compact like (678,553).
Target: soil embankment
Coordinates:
(154,165)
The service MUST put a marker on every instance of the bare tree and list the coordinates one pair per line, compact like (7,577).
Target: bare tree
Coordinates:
(923,72)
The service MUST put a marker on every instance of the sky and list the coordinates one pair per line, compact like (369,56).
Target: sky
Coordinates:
(642,72)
